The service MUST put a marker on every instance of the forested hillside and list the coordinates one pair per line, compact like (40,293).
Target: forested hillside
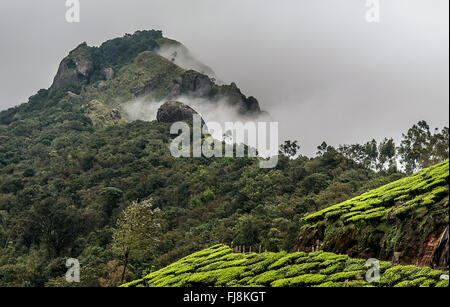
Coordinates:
(400,216)
(61,197)
(404,217)
(76,174)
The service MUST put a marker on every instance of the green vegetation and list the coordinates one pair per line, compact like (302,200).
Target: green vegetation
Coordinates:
(55,163)
(72,169)
(317,269)
(427,187)
(419,149)
(137,233)
(149,75)
(399,216)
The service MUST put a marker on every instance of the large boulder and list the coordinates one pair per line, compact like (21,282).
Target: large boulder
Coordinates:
(175,111)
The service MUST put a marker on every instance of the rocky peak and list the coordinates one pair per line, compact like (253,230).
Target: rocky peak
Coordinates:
(75,69)
(196,84)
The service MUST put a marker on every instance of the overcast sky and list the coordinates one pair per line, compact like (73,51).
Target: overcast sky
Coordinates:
(316,65)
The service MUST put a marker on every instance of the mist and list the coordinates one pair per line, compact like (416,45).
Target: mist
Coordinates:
(317,67)
(181,56)
(215,114)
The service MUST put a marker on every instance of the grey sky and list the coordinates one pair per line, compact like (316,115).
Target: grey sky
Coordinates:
(316,65)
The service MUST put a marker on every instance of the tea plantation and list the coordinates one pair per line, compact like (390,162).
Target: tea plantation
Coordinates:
(402,216)
(218,266)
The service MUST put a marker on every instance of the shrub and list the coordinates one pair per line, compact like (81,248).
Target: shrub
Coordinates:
(342,276)
(287,260)
(442,284)
(267,277)
(411,283)
(306,280)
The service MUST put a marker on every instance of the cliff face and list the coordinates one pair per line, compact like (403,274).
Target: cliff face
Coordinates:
(398,221)
(75,69)
(440,256)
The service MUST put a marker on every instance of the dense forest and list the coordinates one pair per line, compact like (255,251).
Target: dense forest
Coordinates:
(75,185)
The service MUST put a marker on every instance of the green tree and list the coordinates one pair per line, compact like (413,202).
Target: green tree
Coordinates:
(289,148)
(413,146)
(111,197)
(439,146)
(386,154)
(322,148)
(371,154)
(420,148)
(137,233)
(56,224)
(246,231)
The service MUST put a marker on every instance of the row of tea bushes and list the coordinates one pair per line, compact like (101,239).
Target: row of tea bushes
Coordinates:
(218,266)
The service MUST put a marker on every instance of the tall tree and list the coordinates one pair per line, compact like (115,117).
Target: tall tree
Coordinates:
(289,148)
(371,154)
(420,148)
(439,144)
(386,154)
(137,233)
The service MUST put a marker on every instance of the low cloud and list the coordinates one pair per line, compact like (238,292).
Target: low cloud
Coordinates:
(218,112)
(181,56)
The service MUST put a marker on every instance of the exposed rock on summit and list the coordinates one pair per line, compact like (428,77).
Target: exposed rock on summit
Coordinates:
(75,69)
(199,85)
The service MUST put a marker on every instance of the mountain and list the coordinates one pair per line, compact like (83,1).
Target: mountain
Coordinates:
(102,79)
(218,266)
(72,165)
(408,216)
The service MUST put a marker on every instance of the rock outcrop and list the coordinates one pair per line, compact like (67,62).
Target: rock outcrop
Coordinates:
(175,111)
(107,76)
(441,253)
(198,85)
(75,69)
(235,97)
(108,73)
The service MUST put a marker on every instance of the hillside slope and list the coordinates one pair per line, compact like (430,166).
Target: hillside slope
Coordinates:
(55,167)
(406,216)
(219,266)
(71,163)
